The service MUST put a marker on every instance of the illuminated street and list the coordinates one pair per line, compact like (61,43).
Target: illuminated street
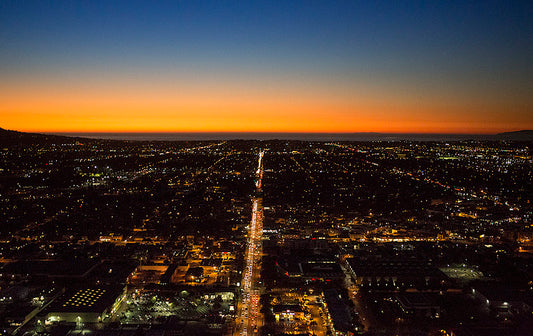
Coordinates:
(249,319)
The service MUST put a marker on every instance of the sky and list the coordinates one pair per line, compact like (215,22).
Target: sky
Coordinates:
(266,66)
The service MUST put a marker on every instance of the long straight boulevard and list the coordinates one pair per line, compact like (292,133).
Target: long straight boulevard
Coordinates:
(248,318)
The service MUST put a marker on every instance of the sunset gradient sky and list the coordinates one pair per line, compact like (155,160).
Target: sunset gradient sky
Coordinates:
(266,66)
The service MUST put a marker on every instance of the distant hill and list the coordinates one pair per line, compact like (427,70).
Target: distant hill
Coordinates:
(13,138)
(523,135)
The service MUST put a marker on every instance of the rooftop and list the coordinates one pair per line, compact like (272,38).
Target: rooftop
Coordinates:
(87,299)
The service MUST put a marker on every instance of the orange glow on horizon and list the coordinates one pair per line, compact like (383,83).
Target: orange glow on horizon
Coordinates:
(241,108)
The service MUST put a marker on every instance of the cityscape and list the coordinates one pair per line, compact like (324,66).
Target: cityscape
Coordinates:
(266,168)
(273,237)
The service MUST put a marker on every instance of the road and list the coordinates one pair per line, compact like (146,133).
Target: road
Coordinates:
(249,318)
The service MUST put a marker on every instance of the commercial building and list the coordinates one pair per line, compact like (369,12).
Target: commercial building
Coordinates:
(86,305)
(385,272)
(288,312)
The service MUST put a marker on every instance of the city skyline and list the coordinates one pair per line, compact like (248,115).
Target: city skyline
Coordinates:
(259,67)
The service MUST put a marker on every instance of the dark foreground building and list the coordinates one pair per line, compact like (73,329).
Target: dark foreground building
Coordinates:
(86,304)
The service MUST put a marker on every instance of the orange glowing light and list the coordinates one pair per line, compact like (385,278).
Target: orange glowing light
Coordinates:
(121,106)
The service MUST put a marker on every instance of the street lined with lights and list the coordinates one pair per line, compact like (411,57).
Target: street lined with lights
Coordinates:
(248,317)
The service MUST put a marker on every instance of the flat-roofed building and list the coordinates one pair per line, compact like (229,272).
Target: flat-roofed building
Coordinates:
(419,304)
(86,304)
(288,312)
(339,313)
(385,272)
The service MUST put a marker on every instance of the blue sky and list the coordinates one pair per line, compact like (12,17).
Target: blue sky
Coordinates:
(453,48)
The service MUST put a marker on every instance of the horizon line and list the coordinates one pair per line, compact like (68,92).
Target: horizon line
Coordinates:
(262,132)
(266,132)
(263,136)
(148,131)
